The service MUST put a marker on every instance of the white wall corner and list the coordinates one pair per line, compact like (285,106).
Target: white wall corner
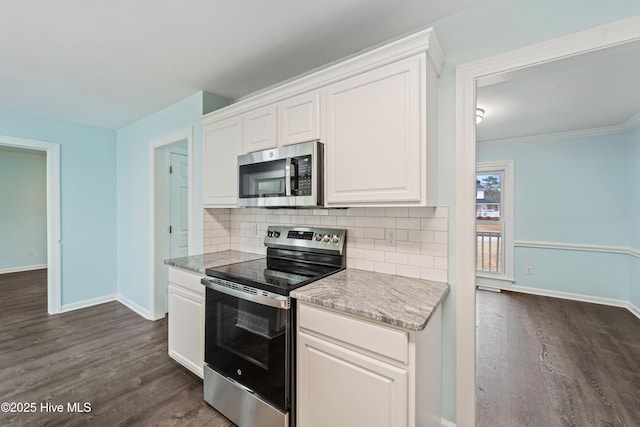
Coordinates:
(134,306)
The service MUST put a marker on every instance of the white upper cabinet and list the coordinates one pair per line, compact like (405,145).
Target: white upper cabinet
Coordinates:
(375,140)
(222,143)
(376,114)
(300,118)
(294,120)
(260,129)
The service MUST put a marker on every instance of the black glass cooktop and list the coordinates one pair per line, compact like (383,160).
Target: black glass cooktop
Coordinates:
(273,275)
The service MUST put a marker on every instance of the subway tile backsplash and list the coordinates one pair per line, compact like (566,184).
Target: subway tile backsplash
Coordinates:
(410,242)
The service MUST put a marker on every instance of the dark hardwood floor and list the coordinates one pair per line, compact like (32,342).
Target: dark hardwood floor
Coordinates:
(552,362)
(106,356)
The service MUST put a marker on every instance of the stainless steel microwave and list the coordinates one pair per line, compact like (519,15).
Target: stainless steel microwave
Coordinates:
(289,176)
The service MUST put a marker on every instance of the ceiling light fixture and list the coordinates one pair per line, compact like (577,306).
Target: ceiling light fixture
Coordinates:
(479,115)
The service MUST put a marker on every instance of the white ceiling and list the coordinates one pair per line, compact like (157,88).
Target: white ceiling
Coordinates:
(110,63)
(594,90)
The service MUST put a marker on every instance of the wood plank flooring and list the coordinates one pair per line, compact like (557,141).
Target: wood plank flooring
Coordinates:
(106,355)
(548,362)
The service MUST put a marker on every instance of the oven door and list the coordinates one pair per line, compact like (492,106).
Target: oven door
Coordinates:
(248,341)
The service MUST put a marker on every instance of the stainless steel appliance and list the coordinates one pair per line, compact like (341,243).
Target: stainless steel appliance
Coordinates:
(287,176)
(249,372)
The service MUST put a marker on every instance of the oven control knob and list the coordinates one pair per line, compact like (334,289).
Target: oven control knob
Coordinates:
(318,237)
(269,233)
(239,372)
(276,234)
(335,238)
(326,238)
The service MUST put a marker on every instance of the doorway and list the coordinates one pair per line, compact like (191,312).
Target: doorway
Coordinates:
(467,76)
(52,152)
(171,209)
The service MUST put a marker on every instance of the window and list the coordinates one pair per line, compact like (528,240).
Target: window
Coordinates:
(494,220)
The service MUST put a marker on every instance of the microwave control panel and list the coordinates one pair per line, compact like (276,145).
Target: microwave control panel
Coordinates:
(303,175)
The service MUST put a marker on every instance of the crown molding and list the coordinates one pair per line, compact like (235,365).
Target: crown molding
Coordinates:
(632,123)
(628,126)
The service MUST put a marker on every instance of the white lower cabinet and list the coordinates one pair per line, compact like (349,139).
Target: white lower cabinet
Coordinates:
(352,372)
(341,387)
(186,320)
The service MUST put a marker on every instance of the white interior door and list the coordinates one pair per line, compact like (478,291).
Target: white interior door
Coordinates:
(179,205)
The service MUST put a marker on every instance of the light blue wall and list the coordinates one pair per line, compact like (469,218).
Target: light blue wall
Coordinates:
(634,214)
(478,32)
(88,200)
(572,192)
(23,210)
(133,188)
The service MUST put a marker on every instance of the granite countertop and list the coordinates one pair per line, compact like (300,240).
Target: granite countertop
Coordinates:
(395,300)
(199,263)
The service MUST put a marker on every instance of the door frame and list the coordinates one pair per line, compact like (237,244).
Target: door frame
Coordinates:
(600,37)
(157,208)
(54,269)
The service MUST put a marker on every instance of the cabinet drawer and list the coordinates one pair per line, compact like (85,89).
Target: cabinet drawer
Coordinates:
(359,333)
(184,279)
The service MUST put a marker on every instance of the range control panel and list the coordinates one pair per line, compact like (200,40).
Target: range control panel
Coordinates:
(309,238)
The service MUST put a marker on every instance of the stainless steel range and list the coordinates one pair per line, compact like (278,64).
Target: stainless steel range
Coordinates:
(249,373)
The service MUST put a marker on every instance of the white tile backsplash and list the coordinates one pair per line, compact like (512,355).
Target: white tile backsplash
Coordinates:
(409,242)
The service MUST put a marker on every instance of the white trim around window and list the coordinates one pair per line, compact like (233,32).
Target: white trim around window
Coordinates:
(506,167)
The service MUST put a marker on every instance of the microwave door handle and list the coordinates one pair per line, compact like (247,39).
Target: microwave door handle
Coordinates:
(287,177)
(294,176)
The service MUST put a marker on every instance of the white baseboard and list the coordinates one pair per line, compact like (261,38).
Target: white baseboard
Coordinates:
(133,306)
(633,309)
(447,423)
(23,268)
(571,296)
(87,303)
(107,298)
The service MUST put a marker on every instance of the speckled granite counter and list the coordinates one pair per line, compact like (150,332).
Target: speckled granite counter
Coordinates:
(199,263)
(399,301)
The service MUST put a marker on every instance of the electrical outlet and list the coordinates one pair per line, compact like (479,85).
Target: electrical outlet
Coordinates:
(391,237)
(528,270)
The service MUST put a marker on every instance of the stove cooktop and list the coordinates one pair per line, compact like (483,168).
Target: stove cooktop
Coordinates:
(273,275)
(296,256)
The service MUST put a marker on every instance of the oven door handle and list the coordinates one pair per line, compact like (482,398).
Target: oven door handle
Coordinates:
(272,300)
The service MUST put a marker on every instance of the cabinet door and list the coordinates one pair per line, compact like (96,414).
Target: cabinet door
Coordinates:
(300,118)
(222,143)
(260,129)
(186,328)
(340,387)
(375,136)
